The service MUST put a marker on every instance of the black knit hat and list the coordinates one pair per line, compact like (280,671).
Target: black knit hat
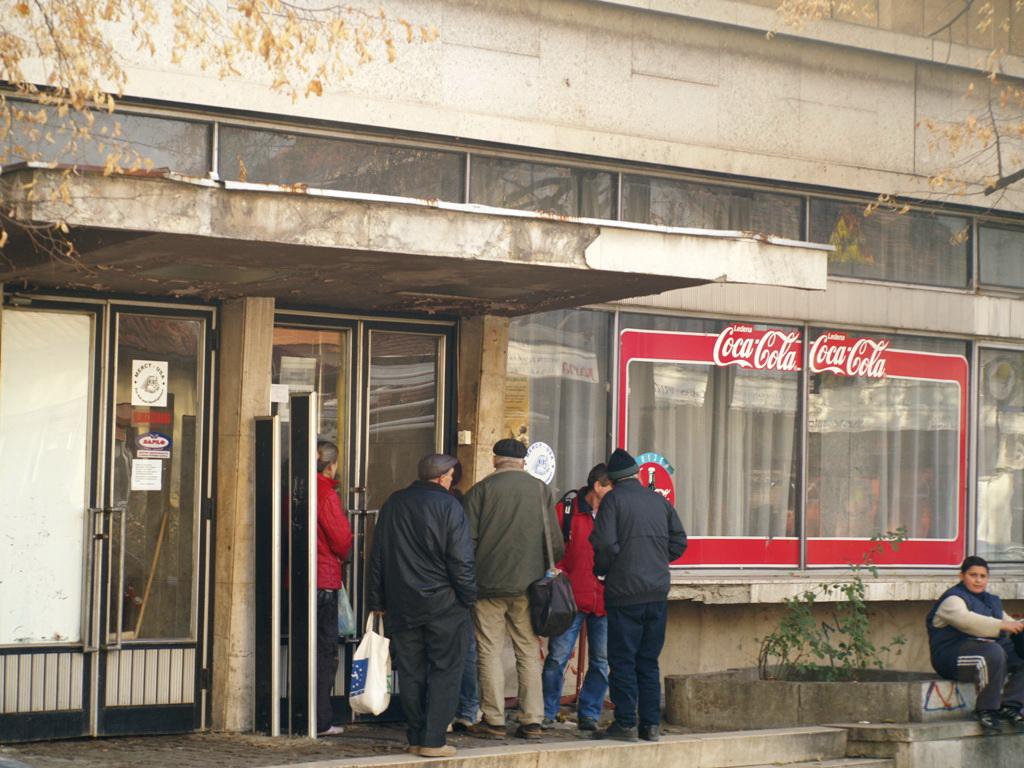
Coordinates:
(510,448)
(621,465)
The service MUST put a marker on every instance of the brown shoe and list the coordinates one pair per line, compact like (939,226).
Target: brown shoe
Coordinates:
(483,728)
(446,751)
(413,749)
(530,731)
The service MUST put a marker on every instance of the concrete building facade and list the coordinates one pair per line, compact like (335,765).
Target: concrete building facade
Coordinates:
(591,224)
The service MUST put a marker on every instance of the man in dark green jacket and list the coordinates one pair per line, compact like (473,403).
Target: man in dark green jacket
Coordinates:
(505,511)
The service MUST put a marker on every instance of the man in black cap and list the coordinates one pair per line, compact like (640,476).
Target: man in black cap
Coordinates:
(636,535)
(422,577)
(506,512)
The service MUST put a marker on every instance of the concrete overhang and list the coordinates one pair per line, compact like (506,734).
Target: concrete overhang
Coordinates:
(158,233)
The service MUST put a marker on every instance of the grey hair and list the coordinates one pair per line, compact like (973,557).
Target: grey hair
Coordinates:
(326,454)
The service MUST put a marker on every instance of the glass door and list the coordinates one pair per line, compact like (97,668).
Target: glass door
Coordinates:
(157,492)
(47,401)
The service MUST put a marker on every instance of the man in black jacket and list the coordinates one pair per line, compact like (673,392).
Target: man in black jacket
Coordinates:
(636,535)
(422,577)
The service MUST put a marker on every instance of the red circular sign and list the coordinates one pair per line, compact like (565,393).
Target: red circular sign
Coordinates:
(656,477)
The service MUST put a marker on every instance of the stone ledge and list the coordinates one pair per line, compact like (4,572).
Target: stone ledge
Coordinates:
(762,589)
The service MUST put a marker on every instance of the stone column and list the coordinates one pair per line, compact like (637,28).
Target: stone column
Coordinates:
(483,348)
(243,392)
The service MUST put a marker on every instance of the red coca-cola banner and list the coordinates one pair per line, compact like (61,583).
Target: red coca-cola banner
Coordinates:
(771,350)
(782,350)
(835,352)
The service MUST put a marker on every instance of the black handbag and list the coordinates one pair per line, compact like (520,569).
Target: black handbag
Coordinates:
(552,604)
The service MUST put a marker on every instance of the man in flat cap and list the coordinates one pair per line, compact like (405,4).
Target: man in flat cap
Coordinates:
(506,512)
(421,577)
(636,535)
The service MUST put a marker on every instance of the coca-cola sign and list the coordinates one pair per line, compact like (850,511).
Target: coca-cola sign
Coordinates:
(771,350)
(835,352)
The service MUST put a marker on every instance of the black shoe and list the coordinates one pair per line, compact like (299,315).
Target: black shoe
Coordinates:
(530,731)
(616,731)
(989,721)
(586,724)
(649,732)
(1013,716)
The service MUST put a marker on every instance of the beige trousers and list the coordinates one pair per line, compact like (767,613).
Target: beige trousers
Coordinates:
(493,617)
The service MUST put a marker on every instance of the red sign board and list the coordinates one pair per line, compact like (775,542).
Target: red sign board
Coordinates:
(656,477)
(150,416)
(835,352)
(771,350)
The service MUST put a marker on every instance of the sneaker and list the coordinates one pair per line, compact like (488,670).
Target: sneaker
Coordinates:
(1013,716)
(446,751)
(461,725)
(586,724)
(989,721)
(649,732)
(617,731)
(529,731)
(548,722)
(483,728)
(334,730)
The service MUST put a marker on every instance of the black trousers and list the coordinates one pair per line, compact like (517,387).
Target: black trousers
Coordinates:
(429,660)
(326,654)
(999,676)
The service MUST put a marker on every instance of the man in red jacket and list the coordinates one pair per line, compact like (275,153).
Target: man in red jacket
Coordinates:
(578,563)
(333,544)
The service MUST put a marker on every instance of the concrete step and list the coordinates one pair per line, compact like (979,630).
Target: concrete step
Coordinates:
(736,749)
(845,762)
(935,745)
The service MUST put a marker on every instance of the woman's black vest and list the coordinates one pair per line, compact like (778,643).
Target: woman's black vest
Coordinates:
(945,642)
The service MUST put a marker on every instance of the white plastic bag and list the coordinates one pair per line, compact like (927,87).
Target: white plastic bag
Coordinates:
(369,686)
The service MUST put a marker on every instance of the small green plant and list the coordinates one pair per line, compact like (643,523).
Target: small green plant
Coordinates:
(838,646)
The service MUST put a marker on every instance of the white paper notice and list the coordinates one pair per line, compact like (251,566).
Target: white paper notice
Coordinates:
(298,372)
(146,474)
(279,393)
(149,383)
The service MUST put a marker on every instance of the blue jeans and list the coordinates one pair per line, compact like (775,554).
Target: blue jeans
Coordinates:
(469,693)
(595,684)
(636,634)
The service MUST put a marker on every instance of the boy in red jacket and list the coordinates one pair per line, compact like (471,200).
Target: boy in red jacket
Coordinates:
(333,545)
(578,564)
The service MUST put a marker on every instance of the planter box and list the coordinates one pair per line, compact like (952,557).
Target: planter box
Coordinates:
(738,700)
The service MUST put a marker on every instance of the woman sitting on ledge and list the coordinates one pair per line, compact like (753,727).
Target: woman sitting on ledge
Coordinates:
(970,639)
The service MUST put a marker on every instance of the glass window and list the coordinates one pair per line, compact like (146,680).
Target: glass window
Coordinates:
(133,140)
(45,374)
(1001,256)
(885,432)
(404,409)
(275,157)
(540,187)
(308,360)
(1001,455)
(730,430)
(155,461)
(913,247)
(557,386)
(674,203)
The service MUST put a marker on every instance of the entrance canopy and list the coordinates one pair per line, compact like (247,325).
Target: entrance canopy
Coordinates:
(160,233)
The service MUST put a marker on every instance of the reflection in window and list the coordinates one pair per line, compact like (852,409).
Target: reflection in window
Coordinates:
(1001,455)
(308,360)
(913,247)
(883,454)
(540,187)
(134,140)
(272,157)
(556,390)
(404,424)
(1001,257)
(731,434)
(674,203)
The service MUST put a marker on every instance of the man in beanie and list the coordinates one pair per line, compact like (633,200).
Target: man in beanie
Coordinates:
(506,511)
(421,576)
(636,535)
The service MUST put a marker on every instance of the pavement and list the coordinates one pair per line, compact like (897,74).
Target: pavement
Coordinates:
(236,750)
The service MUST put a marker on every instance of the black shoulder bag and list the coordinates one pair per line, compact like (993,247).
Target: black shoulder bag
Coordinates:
(552,604)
